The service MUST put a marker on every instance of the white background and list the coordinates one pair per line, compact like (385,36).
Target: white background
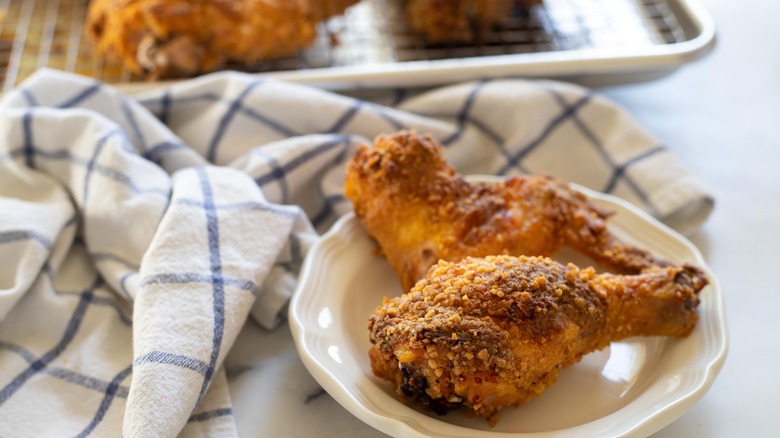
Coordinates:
(721,117)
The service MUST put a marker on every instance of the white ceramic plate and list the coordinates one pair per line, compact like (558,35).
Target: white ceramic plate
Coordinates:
(632,388)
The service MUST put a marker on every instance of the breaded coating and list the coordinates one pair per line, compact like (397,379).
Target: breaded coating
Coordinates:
(163,38)
(490,332)
(419,210)
(446,21)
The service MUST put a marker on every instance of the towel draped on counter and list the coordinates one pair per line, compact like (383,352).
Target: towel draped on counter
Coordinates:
(138,234)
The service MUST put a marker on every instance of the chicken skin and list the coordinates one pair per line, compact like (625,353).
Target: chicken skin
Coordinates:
(168,38)
(484,333)
(459,21)
(419,210)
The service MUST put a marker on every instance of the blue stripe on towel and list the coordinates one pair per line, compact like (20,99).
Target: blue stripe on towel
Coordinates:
(566,114)
(178,360)
(208,415)
(340,140)
(63,374)
(227,118)
(110,394)
(464,113)
(67,337)
(28,145)
(80,97)
(20,235)
(196,277)
(345,118)
(217,283)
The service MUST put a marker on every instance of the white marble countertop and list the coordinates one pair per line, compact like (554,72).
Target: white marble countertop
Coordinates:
(721,116)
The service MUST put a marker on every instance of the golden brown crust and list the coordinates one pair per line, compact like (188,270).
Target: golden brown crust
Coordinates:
(447,21)
(419,210)
(661,301)
(183,37)
(490,332)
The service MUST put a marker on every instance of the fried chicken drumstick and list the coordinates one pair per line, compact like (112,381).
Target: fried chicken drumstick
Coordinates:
(490,332)
(162,38)
(419,210)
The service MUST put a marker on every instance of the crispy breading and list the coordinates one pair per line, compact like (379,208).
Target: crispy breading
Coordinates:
(419,210)
(444,21)
(162,38)
(484,333)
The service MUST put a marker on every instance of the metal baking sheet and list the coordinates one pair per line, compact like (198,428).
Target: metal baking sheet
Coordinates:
(596,42)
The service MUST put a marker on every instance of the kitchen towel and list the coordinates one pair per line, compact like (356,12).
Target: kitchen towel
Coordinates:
(138,234)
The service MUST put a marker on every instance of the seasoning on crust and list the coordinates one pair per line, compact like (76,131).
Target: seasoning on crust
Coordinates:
(485,333)
(163,38)
(419,210)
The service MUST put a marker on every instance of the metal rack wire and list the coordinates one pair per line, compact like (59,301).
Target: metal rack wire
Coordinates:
(48,33)
(557,25)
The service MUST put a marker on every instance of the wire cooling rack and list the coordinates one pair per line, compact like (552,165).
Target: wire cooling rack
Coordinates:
(372,37)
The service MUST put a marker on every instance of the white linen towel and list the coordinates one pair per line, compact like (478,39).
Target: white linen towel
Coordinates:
(138,234)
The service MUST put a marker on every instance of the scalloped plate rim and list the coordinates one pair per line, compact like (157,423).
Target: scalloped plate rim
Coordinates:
(384,420)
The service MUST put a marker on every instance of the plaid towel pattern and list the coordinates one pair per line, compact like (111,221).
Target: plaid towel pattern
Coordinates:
(138,235)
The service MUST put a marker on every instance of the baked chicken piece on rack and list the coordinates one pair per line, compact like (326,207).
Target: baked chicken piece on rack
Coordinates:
(484,333)
(160,38)
(419,210)
(459,21)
